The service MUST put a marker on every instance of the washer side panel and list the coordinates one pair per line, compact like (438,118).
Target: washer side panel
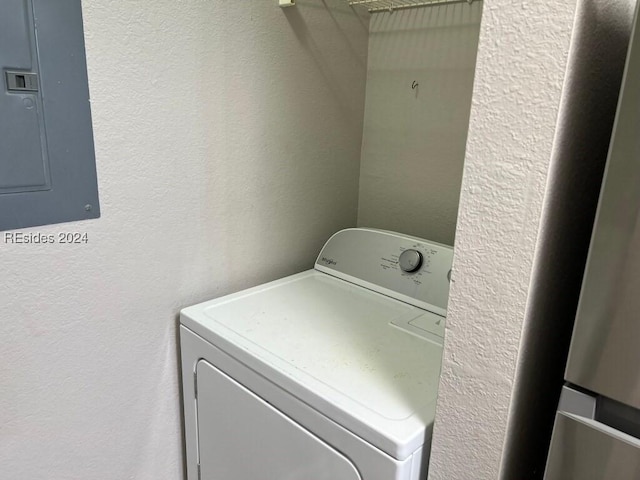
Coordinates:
(190,351)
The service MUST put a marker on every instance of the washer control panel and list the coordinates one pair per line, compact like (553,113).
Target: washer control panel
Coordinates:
(410,269)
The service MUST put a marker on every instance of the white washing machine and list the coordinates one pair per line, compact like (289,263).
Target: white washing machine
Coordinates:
(330,374)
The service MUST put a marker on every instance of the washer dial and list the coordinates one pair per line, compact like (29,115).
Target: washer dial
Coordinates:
(410,260)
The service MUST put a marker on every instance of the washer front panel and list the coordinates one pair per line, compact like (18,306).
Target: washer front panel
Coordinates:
(242,437)
(371,463)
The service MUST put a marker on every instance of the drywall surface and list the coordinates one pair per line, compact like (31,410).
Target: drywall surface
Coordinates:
(522,60)
(228,144)
(419,84)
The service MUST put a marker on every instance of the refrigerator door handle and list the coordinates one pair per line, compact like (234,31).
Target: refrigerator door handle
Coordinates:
(606,429)
(584,448)
(577,403)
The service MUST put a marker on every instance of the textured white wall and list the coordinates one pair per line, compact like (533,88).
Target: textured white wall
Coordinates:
(414,139)
(534,157)
(228,144)
(522,58)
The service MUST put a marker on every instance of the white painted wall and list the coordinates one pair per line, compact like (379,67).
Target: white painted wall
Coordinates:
(534,157)
(522,58)
(229,165)
(414,139)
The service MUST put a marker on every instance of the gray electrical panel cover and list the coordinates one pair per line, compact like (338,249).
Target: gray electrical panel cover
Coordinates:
(47,160)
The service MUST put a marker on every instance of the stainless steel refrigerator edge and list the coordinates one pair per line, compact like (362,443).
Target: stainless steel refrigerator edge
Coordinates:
(597,430)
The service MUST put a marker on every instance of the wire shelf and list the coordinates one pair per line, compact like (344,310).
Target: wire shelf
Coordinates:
(390,5)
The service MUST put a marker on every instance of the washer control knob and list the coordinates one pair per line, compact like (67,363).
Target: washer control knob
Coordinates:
(410,260)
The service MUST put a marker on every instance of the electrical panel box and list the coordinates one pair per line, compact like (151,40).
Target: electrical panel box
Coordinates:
(47,160)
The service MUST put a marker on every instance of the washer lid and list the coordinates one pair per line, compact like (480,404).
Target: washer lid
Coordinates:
(335,346)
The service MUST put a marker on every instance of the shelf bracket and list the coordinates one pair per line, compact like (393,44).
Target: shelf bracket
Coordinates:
(287,3)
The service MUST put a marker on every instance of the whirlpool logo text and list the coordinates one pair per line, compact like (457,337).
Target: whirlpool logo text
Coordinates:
(328,261)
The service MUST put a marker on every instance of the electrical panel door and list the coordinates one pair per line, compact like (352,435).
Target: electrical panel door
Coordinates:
(47,162)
